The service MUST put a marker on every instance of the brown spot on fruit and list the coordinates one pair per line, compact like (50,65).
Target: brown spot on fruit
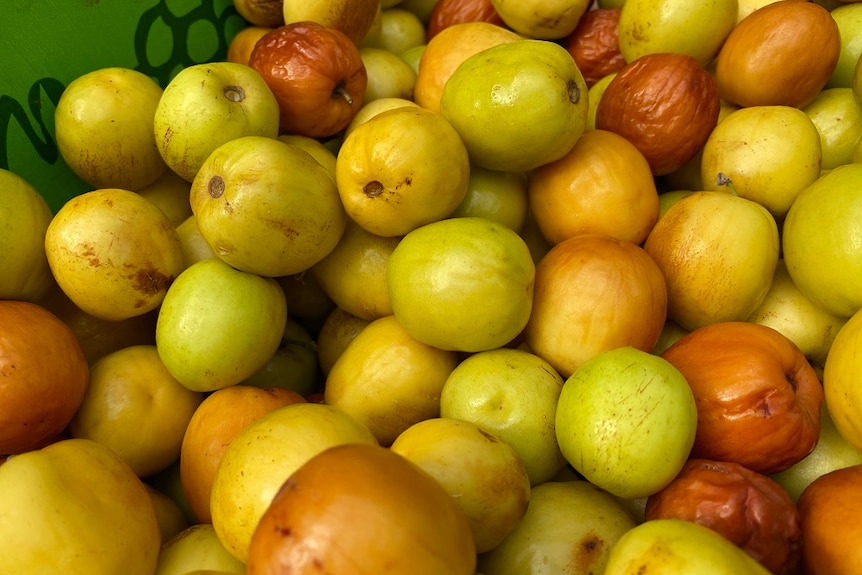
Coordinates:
(587,551)
(151,281)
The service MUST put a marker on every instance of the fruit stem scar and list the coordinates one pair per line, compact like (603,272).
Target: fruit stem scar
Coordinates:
(722,180)
(215,187)
(574,91)
(373,189)
(234,93)
(341,92)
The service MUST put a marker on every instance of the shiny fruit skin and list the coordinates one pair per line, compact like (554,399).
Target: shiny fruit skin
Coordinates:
(769,153)
(820,240)
(385,365)
(253,192)
(594,293)
(481,472)
(749,508)
(79,500)
(569,524)
(604,186)
(316,74)
(447,50)
(240,47)
(43,376)
(544,20)
(249,475)
(489,263)
(718,254)
(353,274)
(409,523)
(113,252)
(401,169)
(353,18)
(216,421)
(134,407)
(665,104)
(665,26)
(594,44)
(670,546)
(781,54)
(97,137)
(830,508)
(841,381)
(517,105)
(758,397)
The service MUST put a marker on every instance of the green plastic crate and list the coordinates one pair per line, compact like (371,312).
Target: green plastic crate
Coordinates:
(46,45)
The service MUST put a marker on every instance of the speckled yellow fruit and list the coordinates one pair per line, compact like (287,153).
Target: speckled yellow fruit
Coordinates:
(249,475)
(401,169)
(104,128)
(113,252)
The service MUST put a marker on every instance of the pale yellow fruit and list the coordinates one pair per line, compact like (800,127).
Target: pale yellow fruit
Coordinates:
(848,17)
(324,156)
(498,196)
(104,128)
(770,154)
(746,7)
(512,394)
(134,406)
(570,524)
(75,508)
(194,247)
(249,475)
(374,107)
(653,27)
(401,169)
(113,253)
(267,207)
(24,219)
(678,546)
(385,366)
(789,311)
(338,330)
(171,194)
(352,17)
(517,105)
(400,30)
(196,547)
(353,275)
(389,76)
(841,388)
(594,95)
(542,19)
(718,254)
(169,515)
(480,471)
(837,115)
